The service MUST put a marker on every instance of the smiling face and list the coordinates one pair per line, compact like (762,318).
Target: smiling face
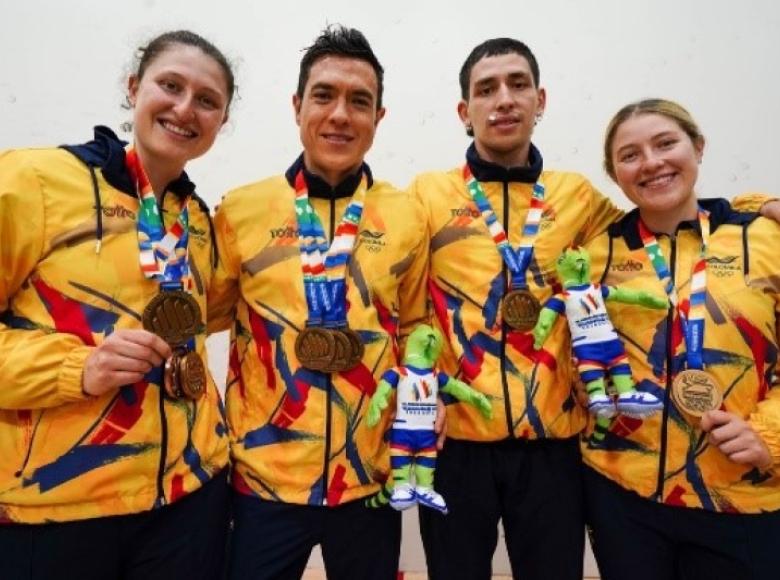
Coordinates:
(502,108)
(337,116)
(179,105)
(656,164)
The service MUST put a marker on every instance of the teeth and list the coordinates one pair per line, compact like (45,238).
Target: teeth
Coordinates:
(176,129)
(658,181)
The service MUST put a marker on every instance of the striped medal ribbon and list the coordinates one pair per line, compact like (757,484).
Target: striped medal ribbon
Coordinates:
(173,314)
(694,390)
(327,344)
(520,308)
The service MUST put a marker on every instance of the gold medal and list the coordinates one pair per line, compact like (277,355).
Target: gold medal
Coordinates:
(695,392)
(192,375)
(315,348)
(174,316)
(520,310)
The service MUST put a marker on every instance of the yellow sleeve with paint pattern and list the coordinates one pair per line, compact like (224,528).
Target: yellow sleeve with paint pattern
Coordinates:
(413,293)
(38,367)
(603,212)
(224,290)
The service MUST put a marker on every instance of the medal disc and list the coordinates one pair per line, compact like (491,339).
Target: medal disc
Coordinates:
(174,316)
(315,348)
(520,310)
(357,349)
(695,392)
(171,377)
(192,375)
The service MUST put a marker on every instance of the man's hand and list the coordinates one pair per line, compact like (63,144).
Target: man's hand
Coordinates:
(736,438)
(440,426)
(122,359)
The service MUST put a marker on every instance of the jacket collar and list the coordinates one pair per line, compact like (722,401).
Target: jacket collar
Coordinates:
(720,210)
(318,187)
(107,152)
(486,171)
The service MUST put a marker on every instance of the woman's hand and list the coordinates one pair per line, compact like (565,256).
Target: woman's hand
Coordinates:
(736,438)
(122,359)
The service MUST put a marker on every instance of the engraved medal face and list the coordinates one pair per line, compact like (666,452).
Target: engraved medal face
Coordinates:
(192,375)
(357,349)
(695,392)
(349,350)
(520,310)
(315,348)
(174,316)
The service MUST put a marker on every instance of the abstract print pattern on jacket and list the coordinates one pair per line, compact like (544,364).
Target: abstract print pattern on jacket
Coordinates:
(68,456)
(299,436)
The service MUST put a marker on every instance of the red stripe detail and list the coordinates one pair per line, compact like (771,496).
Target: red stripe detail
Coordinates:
(235,370)
(523,342)
(66,313)
(439,305)
(337,486)
(361,378)
(177,487)
(121,418)
(239,484)
(262,346)
(401,447)
(390,326)
(675,497)
(292,409)
(758,346)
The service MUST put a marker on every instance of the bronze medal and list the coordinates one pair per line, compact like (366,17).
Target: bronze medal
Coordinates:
(315,348)
(695,392)
(191,375)
(357,349)
(342,352)
(174,316)
(171,376)
(520,310)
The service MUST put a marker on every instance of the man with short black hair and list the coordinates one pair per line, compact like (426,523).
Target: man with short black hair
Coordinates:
(322,274)
(498,223)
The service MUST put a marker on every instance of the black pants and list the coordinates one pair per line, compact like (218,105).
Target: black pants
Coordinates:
(534,487)
(185,540)
(273,540)
(639,539)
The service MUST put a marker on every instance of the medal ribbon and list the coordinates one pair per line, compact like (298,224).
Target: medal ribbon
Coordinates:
(324,268)
(693,322)
(517,261)
(163,254)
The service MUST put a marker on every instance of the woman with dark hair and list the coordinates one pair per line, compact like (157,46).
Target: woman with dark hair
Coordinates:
(690,492)
(112,435)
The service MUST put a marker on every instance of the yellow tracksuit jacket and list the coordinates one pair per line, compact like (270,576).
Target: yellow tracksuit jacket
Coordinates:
(298,436)
(665,457)
(67,456)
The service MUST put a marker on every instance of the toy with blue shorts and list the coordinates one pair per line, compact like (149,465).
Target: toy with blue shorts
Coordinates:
(595,343)
(412,437)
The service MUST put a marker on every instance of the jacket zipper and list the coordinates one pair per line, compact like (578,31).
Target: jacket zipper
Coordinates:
(161,501)
(329,387)
(667,393)
(504,382)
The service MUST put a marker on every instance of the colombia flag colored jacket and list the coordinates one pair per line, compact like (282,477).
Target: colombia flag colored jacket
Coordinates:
(298,436)
(665,457)
(65,455)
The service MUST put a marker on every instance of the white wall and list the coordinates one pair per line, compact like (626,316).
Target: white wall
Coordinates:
(62,69)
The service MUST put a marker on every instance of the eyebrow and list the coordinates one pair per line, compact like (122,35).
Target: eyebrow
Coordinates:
(321,85)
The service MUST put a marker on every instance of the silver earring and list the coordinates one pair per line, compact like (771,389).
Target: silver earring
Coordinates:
(538,118)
